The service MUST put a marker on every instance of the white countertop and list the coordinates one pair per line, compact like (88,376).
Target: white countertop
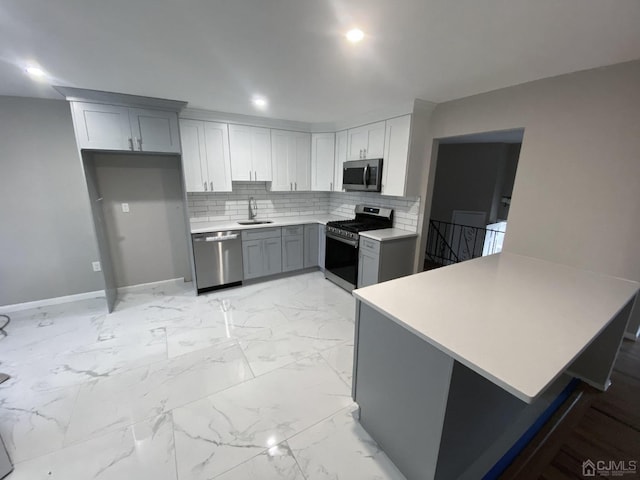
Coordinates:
(517,321)
(388,234)
(204,227)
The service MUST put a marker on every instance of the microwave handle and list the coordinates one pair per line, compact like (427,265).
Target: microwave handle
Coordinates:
(365,175)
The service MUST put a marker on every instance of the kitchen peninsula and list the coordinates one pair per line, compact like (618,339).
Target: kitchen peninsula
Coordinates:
(452,366)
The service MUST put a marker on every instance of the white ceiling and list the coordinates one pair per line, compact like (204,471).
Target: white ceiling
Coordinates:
(216,54)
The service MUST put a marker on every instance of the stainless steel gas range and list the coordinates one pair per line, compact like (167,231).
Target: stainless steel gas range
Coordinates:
(341,254)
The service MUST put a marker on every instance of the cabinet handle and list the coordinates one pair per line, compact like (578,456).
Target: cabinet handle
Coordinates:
(249,175)
(205,186)
(291,186)
(364,153)
(255,175)
(139,143)
(131,143)
(331,186)
(211,183)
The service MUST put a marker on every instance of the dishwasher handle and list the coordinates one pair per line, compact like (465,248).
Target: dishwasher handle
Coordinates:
(216,239)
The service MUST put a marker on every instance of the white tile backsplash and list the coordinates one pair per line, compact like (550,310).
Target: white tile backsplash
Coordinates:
(213,207)
(405,209)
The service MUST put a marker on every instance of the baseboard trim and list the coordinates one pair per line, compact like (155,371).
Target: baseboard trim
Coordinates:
(16,307)
(143,286)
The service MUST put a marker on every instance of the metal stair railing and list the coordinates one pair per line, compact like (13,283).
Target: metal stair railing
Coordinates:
(449,243)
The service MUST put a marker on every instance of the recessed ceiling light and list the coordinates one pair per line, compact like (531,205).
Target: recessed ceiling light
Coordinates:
(259,102)
(355,35)
(35,72)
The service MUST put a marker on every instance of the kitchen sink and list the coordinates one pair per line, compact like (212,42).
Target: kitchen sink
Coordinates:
(254,222)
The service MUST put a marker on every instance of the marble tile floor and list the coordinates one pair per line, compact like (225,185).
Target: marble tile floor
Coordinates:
(252,382)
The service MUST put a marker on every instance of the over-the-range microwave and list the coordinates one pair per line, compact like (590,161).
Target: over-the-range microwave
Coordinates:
(362,175)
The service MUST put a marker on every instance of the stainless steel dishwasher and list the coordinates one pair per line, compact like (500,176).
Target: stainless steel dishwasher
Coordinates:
(218,259)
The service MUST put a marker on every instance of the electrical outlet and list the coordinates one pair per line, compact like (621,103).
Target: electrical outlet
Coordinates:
(125,208)
(96,266)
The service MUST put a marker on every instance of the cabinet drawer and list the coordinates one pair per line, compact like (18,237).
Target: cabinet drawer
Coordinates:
(261,233)
(368,245)
(294,230)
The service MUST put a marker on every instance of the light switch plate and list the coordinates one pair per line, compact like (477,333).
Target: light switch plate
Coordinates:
(125,208)
(96,266)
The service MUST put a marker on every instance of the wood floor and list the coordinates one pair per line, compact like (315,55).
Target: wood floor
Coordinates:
(590,425)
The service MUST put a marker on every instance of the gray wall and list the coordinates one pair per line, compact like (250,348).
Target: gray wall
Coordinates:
(510,169)
(149,243)
(47,242)
(470,177)
(576,199)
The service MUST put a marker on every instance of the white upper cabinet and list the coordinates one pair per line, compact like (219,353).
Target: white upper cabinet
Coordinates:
(102,127)
(366,142)
(194,163)
(216,138)
(154,130)
(250,149)
(303,161)
(322,161)
(290,160)
(240,140)
(396,156)
(205,156)
(261,152)
(112,127)
(340,158)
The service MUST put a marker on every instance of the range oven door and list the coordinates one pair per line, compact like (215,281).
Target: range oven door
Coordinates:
(341,261)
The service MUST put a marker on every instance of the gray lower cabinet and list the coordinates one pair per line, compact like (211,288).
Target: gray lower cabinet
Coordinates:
(368,269)
(311,245)
(272,250)
(292,253)
(386,260)
(272,256)
(261,252)
(292,248)
(252,260)
(322,245)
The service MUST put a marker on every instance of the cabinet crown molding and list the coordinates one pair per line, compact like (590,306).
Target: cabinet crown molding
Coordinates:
(73,94)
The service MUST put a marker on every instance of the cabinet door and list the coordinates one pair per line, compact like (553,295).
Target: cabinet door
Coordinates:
(358,139)
(375,140)
(154,130)
(396,156)
(252,259)
(367,270)
(194,163)
(322,245)
(341,157)
(240,140)
(283,150)
(292,253)
(261,154)
(311,245)
(272,251)
(102,127)
(322,161)
(302,179)
(216,137)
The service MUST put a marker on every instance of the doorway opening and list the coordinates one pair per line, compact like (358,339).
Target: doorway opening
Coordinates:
(472,192)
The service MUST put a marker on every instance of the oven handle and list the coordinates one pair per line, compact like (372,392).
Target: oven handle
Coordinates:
(353,243)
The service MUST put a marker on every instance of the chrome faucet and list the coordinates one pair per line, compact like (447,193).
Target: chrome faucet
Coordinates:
(253,208)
